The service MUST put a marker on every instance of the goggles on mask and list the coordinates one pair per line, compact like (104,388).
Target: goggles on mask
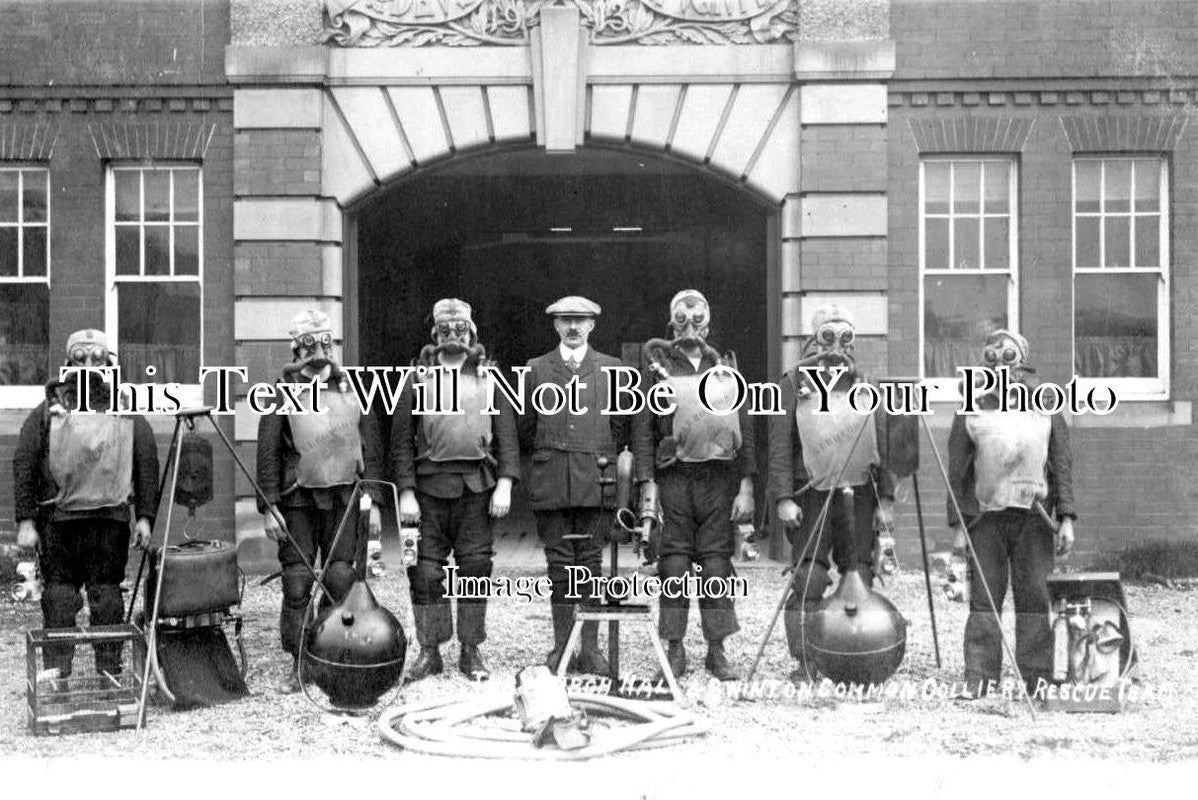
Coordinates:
(697,317)
(89,354)
(1006,356)
(828,335)
(311,340)
(459,328)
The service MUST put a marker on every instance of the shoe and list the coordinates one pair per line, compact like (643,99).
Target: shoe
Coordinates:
(291,683)
(676,658)
(717,663)
(471,663)
(428,662)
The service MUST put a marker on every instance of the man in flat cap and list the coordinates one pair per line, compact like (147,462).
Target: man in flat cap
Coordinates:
(79,480)
(307,467)
(563,482)
(1009,470)
(454,472)
(705,464)
(813,454)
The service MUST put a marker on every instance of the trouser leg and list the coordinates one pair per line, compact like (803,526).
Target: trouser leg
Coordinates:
(1031,556)
(811,548)
(983,633)
(427,577)
(473,553)
(569,588)
(677,552)
(59,562)
(346,562)
(297,579)
(713,491)
(106,554)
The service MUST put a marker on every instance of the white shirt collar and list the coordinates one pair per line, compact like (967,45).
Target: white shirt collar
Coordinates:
(578,354)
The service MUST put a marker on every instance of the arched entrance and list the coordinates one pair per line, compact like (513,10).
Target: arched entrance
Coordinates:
(511,230)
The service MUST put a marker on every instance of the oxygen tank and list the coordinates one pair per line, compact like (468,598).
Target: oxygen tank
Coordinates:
(355,649)
(856,635)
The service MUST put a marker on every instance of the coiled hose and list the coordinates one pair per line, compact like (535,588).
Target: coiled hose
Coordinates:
(437,728)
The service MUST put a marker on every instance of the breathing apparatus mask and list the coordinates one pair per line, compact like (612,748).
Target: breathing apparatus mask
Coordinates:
(312,345)
(87,348)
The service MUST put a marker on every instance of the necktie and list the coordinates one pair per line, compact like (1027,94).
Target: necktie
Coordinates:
(572,363)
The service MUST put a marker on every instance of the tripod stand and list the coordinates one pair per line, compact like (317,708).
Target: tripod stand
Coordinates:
(613,610)
(188,417)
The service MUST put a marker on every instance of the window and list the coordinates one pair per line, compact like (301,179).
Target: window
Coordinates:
(968,261)
(1121,274)
(24,284)
(155,270)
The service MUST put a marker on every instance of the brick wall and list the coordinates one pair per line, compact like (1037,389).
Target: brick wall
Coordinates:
(81,42)
(1062,38)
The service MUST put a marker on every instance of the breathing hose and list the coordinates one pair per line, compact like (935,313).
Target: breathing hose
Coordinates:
(436,728)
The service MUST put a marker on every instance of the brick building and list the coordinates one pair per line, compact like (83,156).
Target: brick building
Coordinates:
(116,189)
(939,167)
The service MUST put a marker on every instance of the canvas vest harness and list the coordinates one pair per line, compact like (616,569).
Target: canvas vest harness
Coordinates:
(700,435)
(1012,453)
(91,460)
(329,445)
(457,437)
(826,439)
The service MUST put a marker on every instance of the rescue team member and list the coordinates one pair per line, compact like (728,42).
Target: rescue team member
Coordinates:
(705,465)
(563,480)
(76,477)
(307,467)
(1008,469)
(452,470)
(807,452)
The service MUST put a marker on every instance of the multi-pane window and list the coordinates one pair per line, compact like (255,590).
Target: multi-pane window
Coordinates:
(968,258)
(156,267)
(24,276)
(1121,273)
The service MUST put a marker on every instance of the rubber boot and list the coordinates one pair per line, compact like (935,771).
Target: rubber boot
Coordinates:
(471,663)
(591,660)
(428,662)
(563,624)
(717,663)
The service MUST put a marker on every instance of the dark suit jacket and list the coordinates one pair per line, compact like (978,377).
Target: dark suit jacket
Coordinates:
(564,446)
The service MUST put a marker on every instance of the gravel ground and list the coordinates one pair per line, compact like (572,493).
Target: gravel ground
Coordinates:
(1157,729)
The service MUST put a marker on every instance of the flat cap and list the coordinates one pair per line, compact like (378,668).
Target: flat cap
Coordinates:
(573,306)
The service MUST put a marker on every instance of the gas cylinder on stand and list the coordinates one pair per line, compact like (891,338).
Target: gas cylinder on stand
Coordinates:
(354,650)
(856,635)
